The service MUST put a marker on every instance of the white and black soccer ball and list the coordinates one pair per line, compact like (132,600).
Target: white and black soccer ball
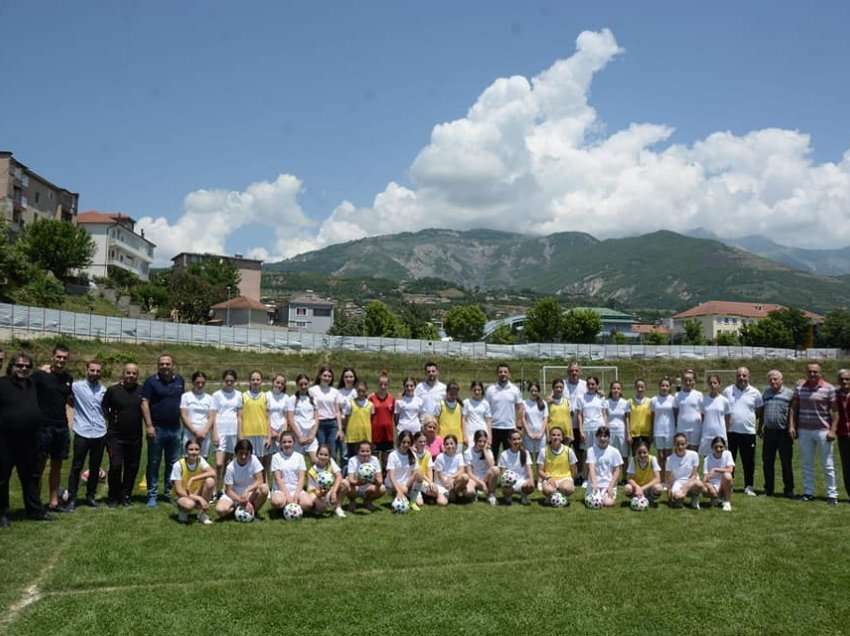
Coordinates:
(243,515)
(509,479)
(325,480)
(639,504)
(594,501)
(400,505)
(366,473)
(558,500)
(292,511)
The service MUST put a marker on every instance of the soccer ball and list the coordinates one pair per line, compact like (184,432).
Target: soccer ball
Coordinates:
(292,511)
(594,501)
(509,478)
(243,516)
(639,503)
(366,473)
(558,500)
(400,505)
(325,480)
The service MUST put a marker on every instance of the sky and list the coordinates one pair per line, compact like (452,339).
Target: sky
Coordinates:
(274,128)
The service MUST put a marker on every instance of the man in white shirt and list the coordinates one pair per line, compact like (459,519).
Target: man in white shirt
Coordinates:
(745,400)
(431,391)
(505,401)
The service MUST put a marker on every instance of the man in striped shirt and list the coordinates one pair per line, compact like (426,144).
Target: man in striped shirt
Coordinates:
(813,422)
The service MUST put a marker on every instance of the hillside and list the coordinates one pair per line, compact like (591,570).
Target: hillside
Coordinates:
(663,269)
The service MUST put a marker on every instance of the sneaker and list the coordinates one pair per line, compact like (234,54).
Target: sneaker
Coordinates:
(204,519)
(715,502)
(69,507)
(352,507)
(339,512)
(419,500)
(508,501)
(414,507)
(492,500)
(111,503)
(832,501)
(726,507)
(694,502)
(152,501)
(807,497)
(4,521)
(750,492)
(183,517)
(524,500)
(540,486)
(91,503)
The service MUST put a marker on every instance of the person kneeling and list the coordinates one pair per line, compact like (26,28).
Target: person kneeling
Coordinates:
(481,467)
(194,483)
(556,465)
(604,463)
(683,474)
(453,483)
(289,468)
(717,480)
(518,461)
(243,483)
(644,474)
(325,485)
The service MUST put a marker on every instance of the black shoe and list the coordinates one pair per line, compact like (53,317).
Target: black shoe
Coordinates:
(91,503)
(112,503)
(41,516)
(4,521)
(832,501)
(789,494)
(69,507)
(807,497)
(126,503)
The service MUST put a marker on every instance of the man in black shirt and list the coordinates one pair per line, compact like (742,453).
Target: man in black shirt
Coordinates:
(122,408)
(54,397)
(20,421)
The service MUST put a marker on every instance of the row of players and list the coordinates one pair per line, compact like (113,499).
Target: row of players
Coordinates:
(414,477)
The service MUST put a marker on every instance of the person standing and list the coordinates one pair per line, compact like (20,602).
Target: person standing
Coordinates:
(505,407)
(430,390)
(161,394)
(842,396)
(744,399)
(89,434)
(20,421)
(773,429)
(574,388)
(53,386)
(122,409)
(814,422)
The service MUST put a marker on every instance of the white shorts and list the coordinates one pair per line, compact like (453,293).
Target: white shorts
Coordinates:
(533,446)
(518,485)
(290,488)
(618,441)
(663,442)
(604,492)
(258,443)
(559,481)
(312,447)
(589,439)
(226,443)
(694,436)
(205,443)
(679,488)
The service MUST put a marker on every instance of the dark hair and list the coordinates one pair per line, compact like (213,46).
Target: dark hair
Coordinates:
(411,456)
(449,437)
(280,375)
(319,373)
(503,365)
(94,361)
(454,385)
(638,444)
(367,443)
(362,383)
(665,379)
(716,377)
(298,392)
(541,403)
(406,380)
(341,384)
(191,440)
(612,384)
(678,435)
(639,380)
(288,434)
(595,379)
(229,372)
(327,448)
(476,383)
(258,372)
(417,435)
(479,434)
(430,363)
(719,438)
(556,428)
(198,374)
(557,381)
(243,444)
(166,355)
(17,357)
(61,347)
(603,430)
(523,460)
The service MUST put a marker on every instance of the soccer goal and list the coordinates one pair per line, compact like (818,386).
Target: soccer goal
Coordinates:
(605,374)
(727,377)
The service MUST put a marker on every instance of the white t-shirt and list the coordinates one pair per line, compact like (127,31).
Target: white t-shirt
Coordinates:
(744,404)
(605,460)
(475,413)
(503,401)
(332,468)
(288,467)
(680,468)
(346,394)
(430,396)
(479,466)
(509,460)
(303,413)
(326,400)
(689,407)
(617,410)
(449,466)
(664,422)
(199,408)
(714,410)
(574,392)
(409,409)
(711,462)
(226,405)
(632,469)
(400,467)
(535,419)
(278,405)
(354,464)
(571,456)
(241,477)
(592,408)
(177,471)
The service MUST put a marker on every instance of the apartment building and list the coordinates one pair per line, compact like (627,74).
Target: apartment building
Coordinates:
(308,312)
(26,196)
(250,270)
(117,244)
(721,316)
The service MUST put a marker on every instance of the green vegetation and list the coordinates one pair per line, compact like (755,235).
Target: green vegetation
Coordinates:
(693,332)
(465,323)
(543,322)
(580,325)
(90,304)
(835,330)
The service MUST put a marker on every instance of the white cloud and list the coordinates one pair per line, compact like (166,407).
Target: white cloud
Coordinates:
(531,155)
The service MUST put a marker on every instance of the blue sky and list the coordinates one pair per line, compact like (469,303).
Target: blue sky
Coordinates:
(137,105)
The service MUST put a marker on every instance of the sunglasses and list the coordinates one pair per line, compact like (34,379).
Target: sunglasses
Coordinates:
(23,366)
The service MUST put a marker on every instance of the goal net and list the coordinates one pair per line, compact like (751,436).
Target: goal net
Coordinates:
(606,375)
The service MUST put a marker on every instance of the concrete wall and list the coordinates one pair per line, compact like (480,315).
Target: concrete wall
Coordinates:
(249,282)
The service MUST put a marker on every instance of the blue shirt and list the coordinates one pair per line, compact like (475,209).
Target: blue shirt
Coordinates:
(88,413)
(164,400)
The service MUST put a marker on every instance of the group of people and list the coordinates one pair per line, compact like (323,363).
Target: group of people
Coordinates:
(329,445)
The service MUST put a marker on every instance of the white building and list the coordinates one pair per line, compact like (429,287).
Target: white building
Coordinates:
(308,312)
(117,244)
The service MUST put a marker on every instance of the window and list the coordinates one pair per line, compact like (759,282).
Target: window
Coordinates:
(300,311)
(324,312)
(37,197)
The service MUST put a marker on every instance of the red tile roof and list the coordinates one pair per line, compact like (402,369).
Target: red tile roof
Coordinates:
(241,302)
(93,216)
(745,310)
(642,329)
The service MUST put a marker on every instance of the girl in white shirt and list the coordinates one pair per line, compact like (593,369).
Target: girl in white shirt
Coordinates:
(617,409)
(591,412)
(517,460)
(663,421)
(556,465)
(409,409)
(289,469)
(243,482)
(716,415)
(321,498)
(450,474)
(476,414)
(278,405)
(683,474)
(303,418)
(688,409)
(604,465)
(195,408)
(536,421)
(327,401)
(358,487)
(717,469)
(481,467)
(226,416)
(403,479)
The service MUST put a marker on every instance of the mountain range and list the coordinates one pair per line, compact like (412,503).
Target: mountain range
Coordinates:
(662,270)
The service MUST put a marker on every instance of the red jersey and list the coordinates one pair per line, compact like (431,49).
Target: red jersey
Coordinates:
(383,425)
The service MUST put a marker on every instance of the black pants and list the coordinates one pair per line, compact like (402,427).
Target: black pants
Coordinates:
(501,440)
(94,449)
(124,458)
(777,441)
(844,452)
(745,443)
(20,450)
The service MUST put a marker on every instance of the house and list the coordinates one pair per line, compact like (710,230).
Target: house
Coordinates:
(242,311)
(117,244)
(250,270)
(26,196)
(721,316)
(641,330)
(308,312)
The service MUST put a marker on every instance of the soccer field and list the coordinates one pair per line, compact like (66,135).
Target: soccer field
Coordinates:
(771,566)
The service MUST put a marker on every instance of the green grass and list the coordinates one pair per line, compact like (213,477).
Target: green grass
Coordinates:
(90,304)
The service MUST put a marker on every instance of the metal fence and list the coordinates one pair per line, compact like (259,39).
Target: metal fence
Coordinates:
(21,321)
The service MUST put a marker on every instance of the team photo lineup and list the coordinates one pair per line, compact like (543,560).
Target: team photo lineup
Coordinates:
(331,444)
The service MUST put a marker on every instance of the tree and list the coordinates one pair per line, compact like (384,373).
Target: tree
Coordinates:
(347,325)
(192,296)
(693,332)
(543,322)
(42,290)
(380,321)
(417,319)
(835,330)
(428,331)
(465,323)
(57,246)
(502,335)
(796,322)
(726,339)
(770,331)
(581,326)
(655,338)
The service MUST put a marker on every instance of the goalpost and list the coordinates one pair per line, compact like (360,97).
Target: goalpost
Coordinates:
(606,375)
(727,376)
